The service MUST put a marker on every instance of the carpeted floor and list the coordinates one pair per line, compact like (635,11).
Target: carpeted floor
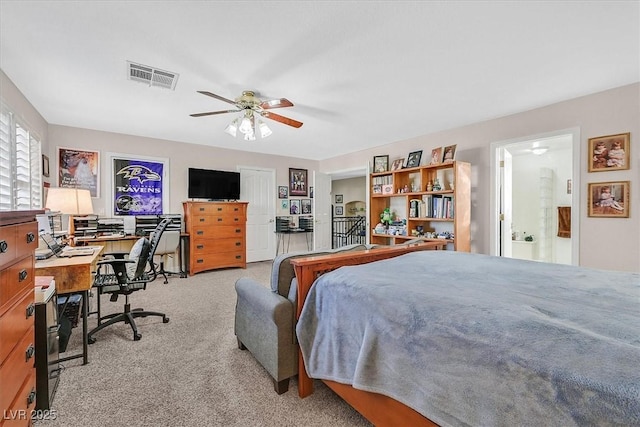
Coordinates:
(188,372)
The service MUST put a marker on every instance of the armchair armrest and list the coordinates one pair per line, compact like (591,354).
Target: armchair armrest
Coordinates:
(264,302)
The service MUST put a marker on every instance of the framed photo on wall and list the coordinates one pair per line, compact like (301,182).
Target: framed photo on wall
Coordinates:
(338,198)
(609,152)
(414,159)
(339,210)
(609,199)
(283,192)
(305,206)
(380,163)
(45,166)
(298,183)
(294,206)
(79,169)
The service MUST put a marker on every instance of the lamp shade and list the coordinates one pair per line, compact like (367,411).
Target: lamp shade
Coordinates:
(70,201)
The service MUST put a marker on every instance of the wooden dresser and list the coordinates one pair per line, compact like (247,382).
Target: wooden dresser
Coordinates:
(18,242)
(217,235)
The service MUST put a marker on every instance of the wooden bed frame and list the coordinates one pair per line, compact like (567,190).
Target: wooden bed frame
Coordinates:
(377,408)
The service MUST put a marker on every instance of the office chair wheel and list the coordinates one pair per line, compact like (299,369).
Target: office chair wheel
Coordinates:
(165,319)
(136,337)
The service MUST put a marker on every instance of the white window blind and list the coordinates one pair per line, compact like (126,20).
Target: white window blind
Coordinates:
(20,165)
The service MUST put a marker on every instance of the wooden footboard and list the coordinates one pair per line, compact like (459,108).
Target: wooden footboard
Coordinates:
(380,410)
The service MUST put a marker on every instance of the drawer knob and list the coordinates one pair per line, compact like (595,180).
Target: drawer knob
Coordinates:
(238,243)
(199,261)
(4,246)
(238,256)
(22,275)
(219,209)
(199,232)
(201,209)
(219,219)
(238,230)
(200,246)
(30,237)
(30,352)
(31,398)
(30,310)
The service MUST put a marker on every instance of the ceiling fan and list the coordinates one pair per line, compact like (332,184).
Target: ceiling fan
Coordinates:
(253,106)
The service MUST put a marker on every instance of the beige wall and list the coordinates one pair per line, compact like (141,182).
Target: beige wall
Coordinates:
(604,242)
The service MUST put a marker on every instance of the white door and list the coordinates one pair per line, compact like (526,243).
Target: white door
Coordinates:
(506,191)
(258,187)
(321,211)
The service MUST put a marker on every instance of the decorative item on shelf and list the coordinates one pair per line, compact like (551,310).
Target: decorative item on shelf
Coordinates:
(449,153)
(436,155)
(420,230)
(387,189)
(429,186)
(386,217)
(380,163)
(414,159)
(397,164)
(529,238)
(405,189)
(436,185)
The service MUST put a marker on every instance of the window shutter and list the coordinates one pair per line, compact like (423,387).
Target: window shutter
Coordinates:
(6,199)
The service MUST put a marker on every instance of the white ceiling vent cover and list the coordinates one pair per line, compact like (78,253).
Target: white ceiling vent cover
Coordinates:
(151,76)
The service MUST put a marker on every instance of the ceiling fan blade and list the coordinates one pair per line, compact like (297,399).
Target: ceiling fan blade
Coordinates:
(213,95)
(211,113)
(281,119)
(276,103)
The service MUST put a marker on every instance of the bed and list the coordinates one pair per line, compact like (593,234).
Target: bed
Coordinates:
(453,339)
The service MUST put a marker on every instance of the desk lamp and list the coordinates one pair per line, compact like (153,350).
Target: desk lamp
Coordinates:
(69,201)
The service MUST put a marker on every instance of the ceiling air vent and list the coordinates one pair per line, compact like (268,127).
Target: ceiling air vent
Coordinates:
(151,76)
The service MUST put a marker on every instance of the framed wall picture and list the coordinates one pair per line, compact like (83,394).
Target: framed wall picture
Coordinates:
(79,169)
(294,206)
(284,204)
(436,156)
(311,192)
(609,199)
(305,206)
(339,198)
(397,164)
(298,182)
(380,163)
(283,192)
(609,152)
(449,153)
(339,210)
(414,159)
(45,166)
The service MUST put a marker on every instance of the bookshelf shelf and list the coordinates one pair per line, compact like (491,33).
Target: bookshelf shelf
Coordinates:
(444,210)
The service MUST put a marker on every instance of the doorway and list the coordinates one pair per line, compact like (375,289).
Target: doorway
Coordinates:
(535,197)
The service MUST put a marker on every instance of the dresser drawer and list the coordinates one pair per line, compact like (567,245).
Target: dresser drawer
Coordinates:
(15,323)
(216,246)
(8,246)
(17,368)
(19,415)
(216,220)
(14,279)
(216,209)
(228,259)
(219,232)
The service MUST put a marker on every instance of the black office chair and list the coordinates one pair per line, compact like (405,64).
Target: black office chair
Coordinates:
(122,275)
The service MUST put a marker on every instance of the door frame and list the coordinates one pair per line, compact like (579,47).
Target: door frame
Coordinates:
(494,215)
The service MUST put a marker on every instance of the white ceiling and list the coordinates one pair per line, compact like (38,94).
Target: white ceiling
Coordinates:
(360,74)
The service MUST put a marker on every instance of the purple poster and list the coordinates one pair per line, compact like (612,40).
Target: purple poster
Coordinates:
(138,187)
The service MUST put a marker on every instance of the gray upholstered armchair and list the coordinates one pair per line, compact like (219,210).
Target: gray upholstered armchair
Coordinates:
(265,321)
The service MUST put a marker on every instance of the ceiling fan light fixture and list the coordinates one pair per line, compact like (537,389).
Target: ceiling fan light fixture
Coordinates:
(232,128)
(264,130)
(250,136)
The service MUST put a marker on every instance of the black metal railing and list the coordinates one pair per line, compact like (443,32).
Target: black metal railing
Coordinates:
(348,230)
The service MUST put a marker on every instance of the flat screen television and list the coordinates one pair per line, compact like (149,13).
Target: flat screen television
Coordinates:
(213,184)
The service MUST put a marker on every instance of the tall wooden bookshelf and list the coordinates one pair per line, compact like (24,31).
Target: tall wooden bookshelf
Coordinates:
(437,211)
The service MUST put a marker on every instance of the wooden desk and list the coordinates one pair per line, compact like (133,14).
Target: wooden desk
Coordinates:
(73,276)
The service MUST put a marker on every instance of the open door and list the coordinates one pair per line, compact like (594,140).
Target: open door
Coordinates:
(321,211)
(506,202)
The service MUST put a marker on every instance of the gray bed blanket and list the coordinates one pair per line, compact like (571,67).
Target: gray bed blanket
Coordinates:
(469,339)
